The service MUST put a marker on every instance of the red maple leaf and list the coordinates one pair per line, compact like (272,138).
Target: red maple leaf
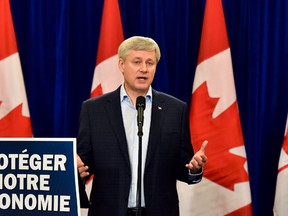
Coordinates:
(285,143)
(285,149)
(245,210)
(97,91)
(14,124)
(223,133)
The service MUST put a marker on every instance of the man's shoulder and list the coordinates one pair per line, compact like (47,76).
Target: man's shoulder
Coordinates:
(104,97)
(161,96)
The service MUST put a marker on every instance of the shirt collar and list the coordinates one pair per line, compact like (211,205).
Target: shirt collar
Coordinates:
(124,95)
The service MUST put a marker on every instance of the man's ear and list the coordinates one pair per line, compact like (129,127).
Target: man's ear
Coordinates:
(121,65)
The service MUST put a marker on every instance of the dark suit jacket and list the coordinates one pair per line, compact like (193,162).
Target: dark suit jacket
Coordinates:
(103,147)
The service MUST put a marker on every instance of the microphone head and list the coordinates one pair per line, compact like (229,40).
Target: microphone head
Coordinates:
(140,102)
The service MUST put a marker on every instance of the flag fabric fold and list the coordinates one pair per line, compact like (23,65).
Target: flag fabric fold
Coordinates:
(14,112)
(107,76)
(214,116)
(281,193)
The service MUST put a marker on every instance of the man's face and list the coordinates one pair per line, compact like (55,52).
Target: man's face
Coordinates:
(138,70)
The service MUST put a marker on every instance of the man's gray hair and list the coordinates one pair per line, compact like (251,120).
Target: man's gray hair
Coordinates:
(138,43)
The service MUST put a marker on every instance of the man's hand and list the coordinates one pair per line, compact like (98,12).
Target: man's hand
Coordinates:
(82,169)
(199,159)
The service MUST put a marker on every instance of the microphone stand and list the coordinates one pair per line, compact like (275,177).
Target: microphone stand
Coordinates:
(140,134)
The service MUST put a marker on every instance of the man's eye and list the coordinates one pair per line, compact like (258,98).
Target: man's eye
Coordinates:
(137,62)
(150,63)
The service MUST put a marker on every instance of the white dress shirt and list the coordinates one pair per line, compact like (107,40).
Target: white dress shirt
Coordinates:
(129,114)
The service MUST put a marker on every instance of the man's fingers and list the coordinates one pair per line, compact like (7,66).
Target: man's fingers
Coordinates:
(79,162)
(82,169)
(204,158)
(199,159)
(203,146)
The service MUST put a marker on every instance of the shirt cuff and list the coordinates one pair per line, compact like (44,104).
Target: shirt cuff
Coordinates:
(195,177)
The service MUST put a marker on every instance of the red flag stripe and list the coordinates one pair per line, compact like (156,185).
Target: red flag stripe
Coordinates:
(8,44)
(210,46)
(111,34)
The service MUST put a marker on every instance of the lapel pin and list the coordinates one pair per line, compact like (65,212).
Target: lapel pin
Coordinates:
(159,108)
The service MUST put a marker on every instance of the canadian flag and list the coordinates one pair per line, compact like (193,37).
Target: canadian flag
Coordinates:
(214,116)
(14,112)
(281,194)
(107,76)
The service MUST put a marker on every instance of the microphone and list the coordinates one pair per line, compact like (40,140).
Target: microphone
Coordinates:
(140,106)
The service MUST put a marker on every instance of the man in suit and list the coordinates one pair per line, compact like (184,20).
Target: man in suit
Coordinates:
(108,141)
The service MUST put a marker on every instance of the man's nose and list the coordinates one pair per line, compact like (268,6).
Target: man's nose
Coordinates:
(144,67)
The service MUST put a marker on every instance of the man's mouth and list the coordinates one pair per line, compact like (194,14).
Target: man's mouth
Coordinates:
(142,78)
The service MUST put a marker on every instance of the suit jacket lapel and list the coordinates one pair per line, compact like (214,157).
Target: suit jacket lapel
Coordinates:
(155,127)
(113,108)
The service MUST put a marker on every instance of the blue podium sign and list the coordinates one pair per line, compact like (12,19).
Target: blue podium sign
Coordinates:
(38,176)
